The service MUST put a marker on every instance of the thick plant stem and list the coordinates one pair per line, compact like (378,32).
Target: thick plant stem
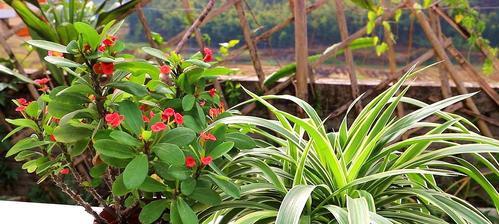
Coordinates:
(77,198)
(301,51)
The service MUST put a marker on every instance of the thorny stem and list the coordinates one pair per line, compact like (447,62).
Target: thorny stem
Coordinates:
(79,180)
(77,198)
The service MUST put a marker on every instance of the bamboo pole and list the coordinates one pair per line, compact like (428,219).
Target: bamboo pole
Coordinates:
(342,24)
(190,18)
(147,29)
(251,44)
(195,25)
(466,34)
(474,73)
(301,50)
(443,74)
(361,32)
(442,55)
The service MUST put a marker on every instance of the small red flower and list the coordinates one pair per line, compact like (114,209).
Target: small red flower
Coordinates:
(22,101)
(145,118)
(208,55)
(44,88)
(55,54)
(207,136)
(52,138)
(206,160)
(202,103)
(109,41)
(106,68)
(64,171)
(214,112)
(212,92)
(179,119)
(114,119)
(167,113)
(159,126)
(20,108)
(190,162)
(56,120)
(41,82)
(101,48)
(165,69)
(143,107)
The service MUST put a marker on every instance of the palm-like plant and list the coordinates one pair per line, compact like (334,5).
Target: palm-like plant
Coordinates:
(363,173)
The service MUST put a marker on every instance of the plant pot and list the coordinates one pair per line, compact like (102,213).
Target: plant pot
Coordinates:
(23,32)
(109,214)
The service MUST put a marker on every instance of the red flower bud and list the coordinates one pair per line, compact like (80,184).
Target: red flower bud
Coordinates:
(208,55)
(159,126)
(167,113)
(55,54)
(212,92)
(64,171)
(20,108)
(114,119)
(165,69)
(22,101)
(52,138)
(41,82)
(206,160)
(179,119)
(101,48)
(190,162)
(207,136)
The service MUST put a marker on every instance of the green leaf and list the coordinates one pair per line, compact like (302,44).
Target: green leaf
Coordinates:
(178,173)
(199,63)
(152,211)
(130,87)
(136,172)
(186,213)
(358,211)
(119,188)
(241,141)
(32,109)
(152,185)
(133,117)
(25,123)
(155,53)
(69,133)
(187,186)
(188,102)
(89,34)
(125,138)
(48,45)
(24,144)
(169,153)
(206,196)
(11,72)
(221,150)
(226,185)
(179,136)
(113,149)
(61,62)
(293,204)
(138,68)
(78,147)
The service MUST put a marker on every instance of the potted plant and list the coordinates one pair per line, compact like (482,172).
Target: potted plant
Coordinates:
(141,125)
(365,172)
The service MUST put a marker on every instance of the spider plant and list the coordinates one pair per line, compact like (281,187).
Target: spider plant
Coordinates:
(365,172)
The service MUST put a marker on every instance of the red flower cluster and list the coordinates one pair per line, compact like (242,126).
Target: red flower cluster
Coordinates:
(22,104)
(190,162)
(206,160)
(55,54)
(114,119)
(165,69)
(106,68)
(108,42)
(214,112)
(43,84)
(169,112)
(208,55)
(64,171)
(159,126)
(212,92)
(147,119)
(207,136)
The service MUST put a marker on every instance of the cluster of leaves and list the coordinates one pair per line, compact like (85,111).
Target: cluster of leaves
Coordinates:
(54,20)
(143,125)
(363,173)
